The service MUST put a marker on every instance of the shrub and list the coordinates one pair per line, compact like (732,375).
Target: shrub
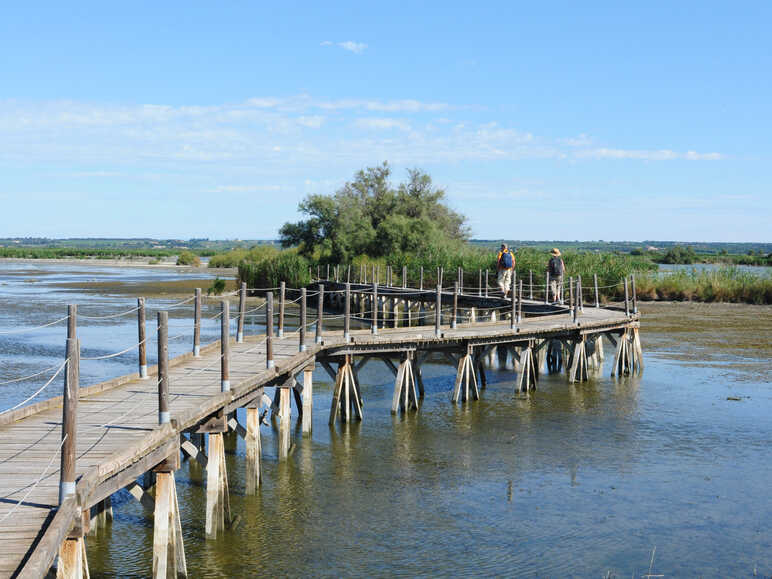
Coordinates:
(217,287)
(188,258)
(286,266)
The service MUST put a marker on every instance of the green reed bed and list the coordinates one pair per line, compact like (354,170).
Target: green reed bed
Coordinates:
(728,284)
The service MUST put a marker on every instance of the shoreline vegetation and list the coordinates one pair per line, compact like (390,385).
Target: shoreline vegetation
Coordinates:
(371,223)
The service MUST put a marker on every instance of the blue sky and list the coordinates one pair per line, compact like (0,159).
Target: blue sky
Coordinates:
(541,120)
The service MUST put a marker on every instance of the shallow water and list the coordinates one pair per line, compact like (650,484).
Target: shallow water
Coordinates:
(579,480)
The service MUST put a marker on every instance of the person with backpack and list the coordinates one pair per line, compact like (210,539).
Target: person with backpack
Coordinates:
(505,265)
(556,269)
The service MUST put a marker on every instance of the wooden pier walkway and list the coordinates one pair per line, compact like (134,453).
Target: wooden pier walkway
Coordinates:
(119,438)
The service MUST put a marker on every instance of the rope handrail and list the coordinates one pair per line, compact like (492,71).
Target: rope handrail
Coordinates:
(36,483)
(108,316)
(46,385)
(23,378)
(21,330)
(106,356)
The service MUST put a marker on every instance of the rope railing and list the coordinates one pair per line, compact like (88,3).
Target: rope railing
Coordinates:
(34,485)
(109,316)
(32,329)
(38,391)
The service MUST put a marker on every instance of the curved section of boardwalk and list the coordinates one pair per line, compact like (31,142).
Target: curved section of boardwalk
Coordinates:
(119,438)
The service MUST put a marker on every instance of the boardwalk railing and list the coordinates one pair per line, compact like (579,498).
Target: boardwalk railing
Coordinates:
(351,314)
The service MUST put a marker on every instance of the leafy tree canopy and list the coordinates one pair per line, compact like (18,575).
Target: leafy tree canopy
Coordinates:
(369,216)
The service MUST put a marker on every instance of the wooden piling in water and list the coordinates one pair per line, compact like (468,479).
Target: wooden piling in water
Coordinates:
(466,379)
(405,396)
(253,450)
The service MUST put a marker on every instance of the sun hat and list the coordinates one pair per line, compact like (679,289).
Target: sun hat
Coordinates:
(555,251)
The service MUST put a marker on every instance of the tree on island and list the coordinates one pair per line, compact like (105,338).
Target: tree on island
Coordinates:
(369,216)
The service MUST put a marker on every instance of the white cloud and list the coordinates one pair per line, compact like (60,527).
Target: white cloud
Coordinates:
(646,155)
(350,45)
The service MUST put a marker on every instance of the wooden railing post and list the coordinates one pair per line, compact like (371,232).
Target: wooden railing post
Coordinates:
(142,349)
(513,313)
(348,274)
(520,304)
(421,279)
(530,284)
(627,298)
(597,296)
(455,306)
(282,299)
(319,314)
(372,273)
(404,277)
(302,329)
(225,347)
(440,276)
(547,289)
(242,312)
(328,272)
(374,311)
(438,311)
(570,295)
(347,314)
(460,276)
(69,409)
(486,283)
(269,329)
(388,276)
(579,297)
(635,295)
(337,273)
(479,283)
(318,278)
(197,323)
(163,368)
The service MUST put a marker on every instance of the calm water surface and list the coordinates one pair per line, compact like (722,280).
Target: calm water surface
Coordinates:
(579,480)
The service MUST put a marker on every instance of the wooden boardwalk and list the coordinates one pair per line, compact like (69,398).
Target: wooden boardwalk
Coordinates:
(119,437)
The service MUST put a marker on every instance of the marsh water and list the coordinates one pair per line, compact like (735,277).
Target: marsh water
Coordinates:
(668,473)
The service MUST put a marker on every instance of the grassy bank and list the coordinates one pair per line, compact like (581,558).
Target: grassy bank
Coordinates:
(81,253)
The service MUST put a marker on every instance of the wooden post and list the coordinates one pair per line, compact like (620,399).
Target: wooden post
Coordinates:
(513,313)
(302,329)
(547,289)
(242,312)
(347,314)
(217,495)
(486,283)
(570,295)
(627,304)
(421,279)
(597,296)
(319,314)
(388,276)
(253,448)
(142,339)
(374,312)
(197,323)
(405,395)
(337,273)
(439,276)
(635,295)
(70,409)
(348,274)
(460,276)
(520,304)
(269,330)
(163,368)
(282,294)
(284,437)
(454,316)
(168,546)
(404,277)
(530,284)
(579,300)
(479,283)
(328,272)
(308,399)
(466,379)
(225,347)
(318,277)
(438,311)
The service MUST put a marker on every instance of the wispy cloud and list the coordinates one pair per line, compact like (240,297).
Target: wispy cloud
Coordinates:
(372,123)
(350,45)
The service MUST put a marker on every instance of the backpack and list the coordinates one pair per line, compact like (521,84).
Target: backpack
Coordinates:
(506,261)
(556,267)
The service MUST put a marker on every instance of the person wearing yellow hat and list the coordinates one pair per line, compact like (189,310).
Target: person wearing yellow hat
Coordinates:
(505,265)
(556,269)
